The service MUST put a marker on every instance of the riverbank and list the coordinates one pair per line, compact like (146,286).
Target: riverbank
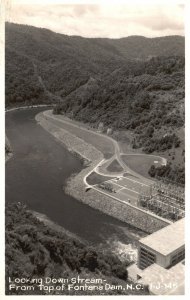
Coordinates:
(126,252)
(77,188)
(8,149)
(35,249)
(37,174)
(60,229)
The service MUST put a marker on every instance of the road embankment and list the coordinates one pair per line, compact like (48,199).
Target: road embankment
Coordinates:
(76,186)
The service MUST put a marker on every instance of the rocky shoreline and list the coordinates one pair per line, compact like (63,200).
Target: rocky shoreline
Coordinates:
(77,189)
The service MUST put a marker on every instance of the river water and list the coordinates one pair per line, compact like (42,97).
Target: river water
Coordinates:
(37,173)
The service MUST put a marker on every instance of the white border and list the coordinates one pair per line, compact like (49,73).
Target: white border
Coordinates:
(2,130)
(2,149)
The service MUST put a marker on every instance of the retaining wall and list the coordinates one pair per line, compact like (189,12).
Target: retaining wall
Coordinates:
(122,211)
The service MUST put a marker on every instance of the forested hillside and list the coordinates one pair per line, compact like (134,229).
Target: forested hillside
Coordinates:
(34,250)
(67,62)
(134,84)
(63,62)
(143,98)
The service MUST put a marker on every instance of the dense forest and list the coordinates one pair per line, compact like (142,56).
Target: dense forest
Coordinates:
(145,99)
(141,97)
(68,62)
(174,174)
(35,250)
(133,84)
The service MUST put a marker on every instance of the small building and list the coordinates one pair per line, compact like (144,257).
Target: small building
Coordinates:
(101,127)
(109,131)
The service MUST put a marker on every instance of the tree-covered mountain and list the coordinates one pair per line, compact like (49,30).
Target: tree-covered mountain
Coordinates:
(67,62)
(144,99)
(133,84)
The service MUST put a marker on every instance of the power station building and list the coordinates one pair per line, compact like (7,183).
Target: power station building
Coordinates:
(161,263)
(165,247)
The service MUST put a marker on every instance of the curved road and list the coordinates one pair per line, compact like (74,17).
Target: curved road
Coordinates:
(117,151)
(36,174)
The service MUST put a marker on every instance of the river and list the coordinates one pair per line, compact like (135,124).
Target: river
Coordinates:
(37,173)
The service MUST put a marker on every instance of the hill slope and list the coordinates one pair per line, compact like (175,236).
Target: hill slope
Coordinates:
(134,84)
(36,251)
(67,62)
(145,100)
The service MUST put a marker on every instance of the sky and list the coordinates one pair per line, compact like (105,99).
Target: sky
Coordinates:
(99,19)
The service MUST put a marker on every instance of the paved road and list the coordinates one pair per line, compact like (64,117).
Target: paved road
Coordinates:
(117,150)
(60,123)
